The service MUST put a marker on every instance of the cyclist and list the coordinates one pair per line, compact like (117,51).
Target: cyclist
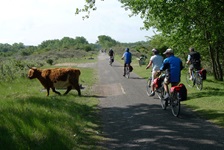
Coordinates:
(156,62)
(111,54)
(127,56)
(194,59)
(172,66)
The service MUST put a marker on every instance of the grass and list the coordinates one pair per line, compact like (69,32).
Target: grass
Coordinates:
(31,120)
(208,103)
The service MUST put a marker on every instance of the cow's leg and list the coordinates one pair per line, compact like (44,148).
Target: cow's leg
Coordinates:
(48,91)
(53,89)
(77,87)
(79,92)
(69,88)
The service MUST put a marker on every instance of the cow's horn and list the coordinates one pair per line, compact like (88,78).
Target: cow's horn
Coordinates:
(29,67)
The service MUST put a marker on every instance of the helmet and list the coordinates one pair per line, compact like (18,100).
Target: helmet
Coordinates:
(127,49)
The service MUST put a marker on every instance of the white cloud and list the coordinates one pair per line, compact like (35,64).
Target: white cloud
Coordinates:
(33,21)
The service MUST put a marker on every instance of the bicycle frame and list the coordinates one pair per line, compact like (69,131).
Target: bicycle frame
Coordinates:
(196,79)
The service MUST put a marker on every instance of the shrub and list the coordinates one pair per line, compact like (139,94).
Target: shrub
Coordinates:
(50,61)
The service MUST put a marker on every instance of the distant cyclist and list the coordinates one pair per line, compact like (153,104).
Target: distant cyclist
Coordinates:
(127,56)
(194,59)
(156,62)
(172,66)
(111,54)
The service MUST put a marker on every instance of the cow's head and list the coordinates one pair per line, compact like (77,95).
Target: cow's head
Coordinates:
(33,73)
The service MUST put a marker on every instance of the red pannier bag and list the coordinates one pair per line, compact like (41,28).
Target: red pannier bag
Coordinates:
(157,83)
(181,89)
(203,73)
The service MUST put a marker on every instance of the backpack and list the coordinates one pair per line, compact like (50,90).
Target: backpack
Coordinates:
(111,53)
(195,58)
(181,89)
(203,73)
(130,68)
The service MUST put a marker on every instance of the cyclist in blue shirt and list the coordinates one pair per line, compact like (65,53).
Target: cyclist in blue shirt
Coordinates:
(172,66)
(127,56)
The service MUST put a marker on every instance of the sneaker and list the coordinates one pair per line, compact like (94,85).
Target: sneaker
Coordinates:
(152,94)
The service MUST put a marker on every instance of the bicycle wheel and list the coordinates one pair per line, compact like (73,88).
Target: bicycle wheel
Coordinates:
(148,86)
(189,81)
(175,103)
(199,82)
(161,97)
(127,72)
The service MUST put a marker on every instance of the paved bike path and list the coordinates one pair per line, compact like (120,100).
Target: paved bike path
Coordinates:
(133,121)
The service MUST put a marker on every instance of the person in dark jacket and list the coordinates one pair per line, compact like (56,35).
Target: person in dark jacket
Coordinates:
(194,60)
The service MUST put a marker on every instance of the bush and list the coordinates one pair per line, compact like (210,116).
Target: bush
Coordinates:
(50,61)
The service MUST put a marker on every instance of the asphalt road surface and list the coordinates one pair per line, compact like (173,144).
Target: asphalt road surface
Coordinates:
(134,121)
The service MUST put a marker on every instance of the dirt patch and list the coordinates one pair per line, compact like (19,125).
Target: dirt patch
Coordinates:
(109,89)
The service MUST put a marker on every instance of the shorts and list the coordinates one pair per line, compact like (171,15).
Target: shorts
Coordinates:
(167,81)
(191,67)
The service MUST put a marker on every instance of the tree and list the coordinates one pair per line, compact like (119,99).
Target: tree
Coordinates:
(106,41)
(81,40)
(184,23)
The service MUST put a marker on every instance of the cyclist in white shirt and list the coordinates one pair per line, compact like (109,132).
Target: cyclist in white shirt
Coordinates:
(156,62)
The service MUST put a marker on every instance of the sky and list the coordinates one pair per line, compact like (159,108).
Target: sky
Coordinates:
(34,21)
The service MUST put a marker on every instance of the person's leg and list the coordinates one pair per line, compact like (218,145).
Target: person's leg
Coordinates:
(166,88)
(190,71)
(153,77)
(153,84)
(124,69)
(152,88)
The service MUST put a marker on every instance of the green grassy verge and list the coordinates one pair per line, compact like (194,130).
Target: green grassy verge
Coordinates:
(208,103)
(31,120)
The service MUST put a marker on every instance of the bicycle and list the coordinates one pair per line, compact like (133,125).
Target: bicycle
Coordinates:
(111,60)
(195,80)
(148,86)
(173,100)
(127,71)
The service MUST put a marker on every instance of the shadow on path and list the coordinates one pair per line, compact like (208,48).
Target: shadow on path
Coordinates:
(138,127)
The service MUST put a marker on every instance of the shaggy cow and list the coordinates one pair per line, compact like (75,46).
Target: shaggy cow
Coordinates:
(57,78)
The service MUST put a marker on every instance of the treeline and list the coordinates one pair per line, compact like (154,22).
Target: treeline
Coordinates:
(79,43)
(67,43)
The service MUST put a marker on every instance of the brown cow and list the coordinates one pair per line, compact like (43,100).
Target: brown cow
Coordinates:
(57,78)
